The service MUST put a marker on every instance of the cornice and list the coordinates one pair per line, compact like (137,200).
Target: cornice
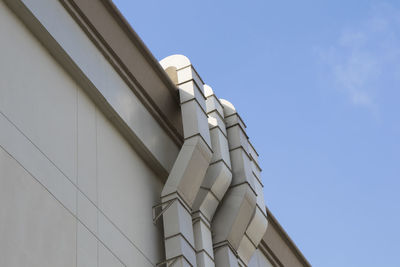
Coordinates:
(164,106)
(289,242)
(141,46)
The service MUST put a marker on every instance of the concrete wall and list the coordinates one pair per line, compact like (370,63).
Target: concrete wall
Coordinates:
(73,192)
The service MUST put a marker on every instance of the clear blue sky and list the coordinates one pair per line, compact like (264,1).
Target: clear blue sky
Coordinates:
(318,84)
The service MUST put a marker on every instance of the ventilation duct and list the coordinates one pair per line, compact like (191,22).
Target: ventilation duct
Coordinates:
(258,224)
(187,174)
(217,180)
(215,184)
(237,208)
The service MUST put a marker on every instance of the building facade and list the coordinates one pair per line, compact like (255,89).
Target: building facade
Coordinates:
(110,158)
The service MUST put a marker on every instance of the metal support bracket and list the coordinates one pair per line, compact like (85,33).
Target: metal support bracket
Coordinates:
(162,209)
(168,263)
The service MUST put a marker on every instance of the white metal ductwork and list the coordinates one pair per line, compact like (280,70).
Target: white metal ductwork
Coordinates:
(239,224)
(215,184)
(187,174)
(258,224)
(237,208)
(217,180)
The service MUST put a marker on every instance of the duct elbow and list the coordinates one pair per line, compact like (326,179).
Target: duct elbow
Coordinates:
(222,182)
(259,223)
(232,219)
(258,226)
(217,180)
(177,61)
(253,235)
(189,169)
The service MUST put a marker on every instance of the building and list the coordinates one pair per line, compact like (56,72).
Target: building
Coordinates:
(110,158)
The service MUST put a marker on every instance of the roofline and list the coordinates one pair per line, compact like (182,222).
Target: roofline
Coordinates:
(272,220)
(108,29)
(142,46)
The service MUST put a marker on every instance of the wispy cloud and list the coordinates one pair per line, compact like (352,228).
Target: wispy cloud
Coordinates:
(366,56)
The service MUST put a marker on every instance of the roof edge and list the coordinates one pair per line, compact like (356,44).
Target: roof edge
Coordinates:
(291,244)
(142,46)
(108,29)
